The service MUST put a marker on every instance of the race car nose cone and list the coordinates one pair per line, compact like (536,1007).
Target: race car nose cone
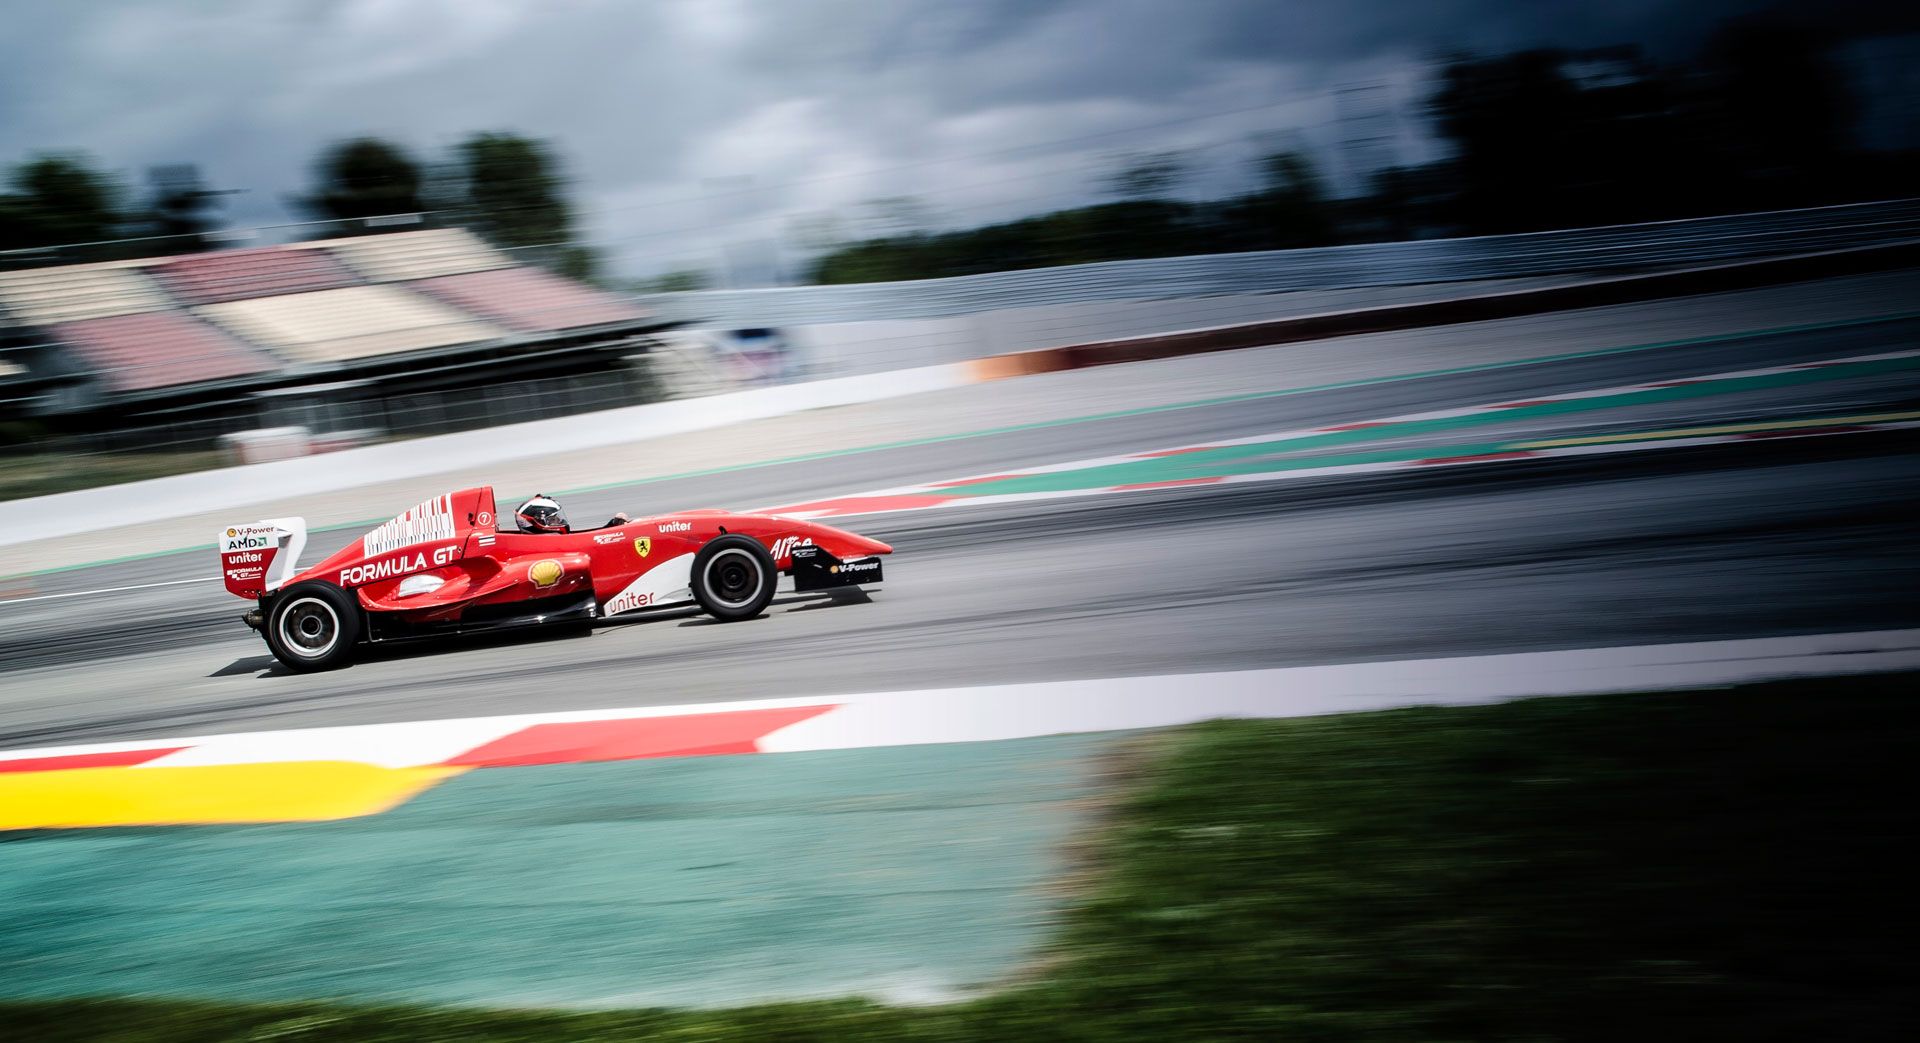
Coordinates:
(868,546)
(846,544)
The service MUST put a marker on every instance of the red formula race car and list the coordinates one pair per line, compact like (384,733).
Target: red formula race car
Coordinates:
(445,567)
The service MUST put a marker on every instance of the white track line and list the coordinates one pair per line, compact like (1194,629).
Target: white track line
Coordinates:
(107,590)
(1495,408)
(1330,471)
(1009,711)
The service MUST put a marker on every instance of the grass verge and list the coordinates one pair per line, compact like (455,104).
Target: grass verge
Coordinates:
(1714,865)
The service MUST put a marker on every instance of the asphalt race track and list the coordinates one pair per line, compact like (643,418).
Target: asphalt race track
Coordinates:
(1753,539)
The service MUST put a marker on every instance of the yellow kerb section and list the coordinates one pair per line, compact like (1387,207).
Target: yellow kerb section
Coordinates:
(292,791)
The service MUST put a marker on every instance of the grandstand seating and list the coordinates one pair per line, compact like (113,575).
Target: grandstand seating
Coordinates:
(236,275)
(138,326)
(528,300)
(414,255)
(45,296)
(148,350)
(355,322)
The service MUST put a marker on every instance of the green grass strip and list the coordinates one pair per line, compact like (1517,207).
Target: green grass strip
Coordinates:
(1709,865)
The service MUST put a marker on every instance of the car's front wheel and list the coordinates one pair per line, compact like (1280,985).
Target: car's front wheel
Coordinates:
(734,577)
(313,627)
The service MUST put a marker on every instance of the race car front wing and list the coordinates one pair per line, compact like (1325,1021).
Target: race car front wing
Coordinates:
(815,569)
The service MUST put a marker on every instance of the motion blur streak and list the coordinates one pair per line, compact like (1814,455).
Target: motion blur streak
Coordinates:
(1750,539)
(1522,398)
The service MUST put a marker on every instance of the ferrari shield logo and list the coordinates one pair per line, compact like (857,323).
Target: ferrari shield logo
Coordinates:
(643,546)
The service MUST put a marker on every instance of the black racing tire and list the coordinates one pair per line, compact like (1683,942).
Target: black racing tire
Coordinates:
(734,577)
(313,627)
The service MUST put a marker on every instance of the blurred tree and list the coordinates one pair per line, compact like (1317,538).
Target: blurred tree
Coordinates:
(1289,210)
(510,190)
(1555,139)
(680,280)
(817,231)
(573,261)
(1514,123)
(1782,109)
(1540,139)
(513,191)
(55,200)
(1410,202)
(1290,174)
(180,208)
(1107,232)
(364,177)
(895,216)
(1151,175)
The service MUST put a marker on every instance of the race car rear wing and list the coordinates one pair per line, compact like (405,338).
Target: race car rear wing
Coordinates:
(260,556)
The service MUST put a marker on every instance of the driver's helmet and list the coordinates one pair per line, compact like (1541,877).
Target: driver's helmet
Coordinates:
(541,514)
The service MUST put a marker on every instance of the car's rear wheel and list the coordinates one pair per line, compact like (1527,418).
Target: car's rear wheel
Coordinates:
(734,577)
(313,627)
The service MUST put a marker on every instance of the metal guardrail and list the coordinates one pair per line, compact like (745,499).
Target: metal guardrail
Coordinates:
(1618,248)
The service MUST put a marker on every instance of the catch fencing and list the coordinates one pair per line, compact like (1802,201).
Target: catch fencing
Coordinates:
(1618,248)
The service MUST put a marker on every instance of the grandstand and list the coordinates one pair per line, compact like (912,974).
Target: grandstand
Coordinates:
(50,296)
(426,254)
(238,275)
(228,336)
(526,299)
(348,324)
(145,351)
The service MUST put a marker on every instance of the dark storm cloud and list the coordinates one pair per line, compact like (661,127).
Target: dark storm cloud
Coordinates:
(679,114)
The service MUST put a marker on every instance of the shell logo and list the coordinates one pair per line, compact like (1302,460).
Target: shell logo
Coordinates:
(233,532)
(546,573)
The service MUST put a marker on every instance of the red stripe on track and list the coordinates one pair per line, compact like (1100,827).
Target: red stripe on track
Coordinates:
(1362,426)
(117,759)
(691,735)
(1174,484)
(1473,459)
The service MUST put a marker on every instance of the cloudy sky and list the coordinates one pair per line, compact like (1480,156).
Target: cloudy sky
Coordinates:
(690,123)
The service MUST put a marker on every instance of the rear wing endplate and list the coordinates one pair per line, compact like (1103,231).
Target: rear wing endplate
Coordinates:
(260,556)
